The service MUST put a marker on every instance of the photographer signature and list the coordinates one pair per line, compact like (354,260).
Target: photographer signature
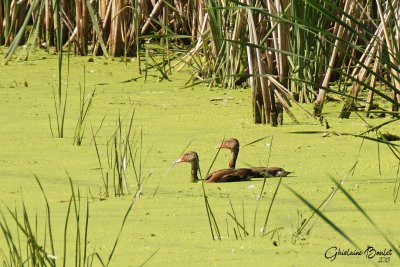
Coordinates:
(383,255)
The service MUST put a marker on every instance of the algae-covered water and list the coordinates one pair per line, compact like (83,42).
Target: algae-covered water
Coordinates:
(173,223)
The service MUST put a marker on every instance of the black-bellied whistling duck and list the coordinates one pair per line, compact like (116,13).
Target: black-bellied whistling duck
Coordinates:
(193,159)
(258,172)
(220,176)
(233,145)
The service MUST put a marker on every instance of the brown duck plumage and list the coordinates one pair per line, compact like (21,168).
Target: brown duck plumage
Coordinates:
(220,176)
(258,172)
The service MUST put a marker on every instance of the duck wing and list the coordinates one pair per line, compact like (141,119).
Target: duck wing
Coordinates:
(229,175)
(265,172)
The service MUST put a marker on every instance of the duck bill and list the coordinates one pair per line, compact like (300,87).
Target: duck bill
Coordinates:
(221,146)
(178,160)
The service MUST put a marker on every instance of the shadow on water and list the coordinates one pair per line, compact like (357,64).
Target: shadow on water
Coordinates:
(307,132)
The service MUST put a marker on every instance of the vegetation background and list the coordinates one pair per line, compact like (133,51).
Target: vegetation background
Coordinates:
(127,129)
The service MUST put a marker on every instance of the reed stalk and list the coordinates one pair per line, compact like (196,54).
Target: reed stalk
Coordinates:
(264,228)
(1,24)
(21,28)
(286,50)
(396,188)
(95,21)
(23,247)
(125,157)
(85,103)
(262,187)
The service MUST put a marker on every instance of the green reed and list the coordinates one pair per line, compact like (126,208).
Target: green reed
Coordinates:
(23,246)
(85,103)
(126,158)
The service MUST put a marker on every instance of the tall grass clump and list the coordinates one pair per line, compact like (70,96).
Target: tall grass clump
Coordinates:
(24,246)
(125,161)
(288,51)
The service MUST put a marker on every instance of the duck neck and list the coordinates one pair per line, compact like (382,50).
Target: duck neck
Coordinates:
(234,155)
(193,173)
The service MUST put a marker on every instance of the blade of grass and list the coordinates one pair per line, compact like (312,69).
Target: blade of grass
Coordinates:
(137,194)
(364,213)
(239,225)
(98,129)
(262,189)
(210,215)
(95,24)
(234,217)
(149,258)
(66,230)
(48,219)
(397,184)
(99,159)
(170,167)
(270,205)
(256,141)
(20,33)
(86,231)
(322,216)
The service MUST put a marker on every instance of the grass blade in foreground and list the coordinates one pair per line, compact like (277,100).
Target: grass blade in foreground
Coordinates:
(169,168)
(270,205)
(211,218)
(149,258)
(320,214)
(122,225)
(48,218)
(360,209)
(263,186)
